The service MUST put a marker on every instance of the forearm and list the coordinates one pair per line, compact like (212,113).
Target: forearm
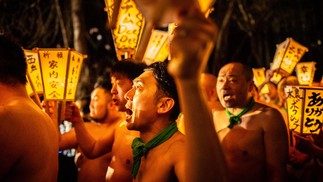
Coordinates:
(85,140)
(202,141)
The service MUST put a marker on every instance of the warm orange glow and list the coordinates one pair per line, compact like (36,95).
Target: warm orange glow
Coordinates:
(54,64)
(157,49)
(30,91)
(304,109)
(34,71)
(305,72)
(163,12)
(288,54)
(129,27)
(258,76)
(74,70)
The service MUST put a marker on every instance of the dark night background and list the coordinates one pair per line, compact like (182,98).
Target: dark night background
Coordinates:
(250,30)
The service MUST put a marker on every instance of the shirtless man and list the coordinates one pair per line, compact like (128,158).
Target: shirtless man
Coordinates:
(28,137)
(118,141)
(104,113)
(164,154)
(122,74)
(256,149)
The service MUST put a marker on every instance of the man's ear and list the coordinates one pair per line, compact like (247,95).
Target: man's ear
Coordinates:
(164,105)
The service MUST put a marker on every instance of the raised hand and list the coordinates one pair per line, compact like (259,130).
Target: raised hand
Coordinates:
(192,44)
(72,113)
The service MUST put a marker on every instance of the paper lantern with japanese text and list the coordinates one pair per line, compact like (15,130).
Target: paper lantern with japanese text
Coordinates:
(34,71)
(60,72)
(258,76)
(157,49)
(305,72)
(127,24)
(287,55)
(74,70)
(305,109)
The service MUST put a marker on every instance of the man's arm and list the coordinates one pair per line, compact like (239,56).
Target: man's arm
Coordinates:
(190,50)
(276,145)
(91,147)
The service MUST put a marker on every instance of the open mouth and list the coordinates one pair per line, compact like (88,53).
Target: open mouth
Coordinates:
(115,101)
(227,97)
(128,113)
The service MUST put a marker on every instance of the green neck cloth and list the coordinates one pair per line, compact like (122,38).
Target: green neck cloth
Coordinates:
(140,149)
(235,119)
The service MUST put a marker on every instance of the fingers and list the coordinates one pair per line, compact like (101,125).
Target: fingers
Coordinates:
(72,113)
(193,23)
(193,32)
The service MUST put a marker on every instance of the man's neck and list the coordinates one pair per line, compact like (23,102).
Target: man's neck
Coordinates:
(8,92)
(154,129)
(238,109)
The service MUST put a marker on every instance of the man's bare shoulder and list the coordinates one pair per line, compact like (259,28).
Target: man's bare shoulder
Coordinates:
(175,144)
(270,118)
(267,110)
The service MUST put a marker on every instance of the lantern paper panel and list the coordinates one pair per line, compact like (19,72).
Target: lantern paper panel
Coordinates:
(54,64)
(305,72)
(30,91)
(129,27)
(157,49)
(305,107)
(258,76)
(74,70)
(34,70)
(276,78)
(265,89)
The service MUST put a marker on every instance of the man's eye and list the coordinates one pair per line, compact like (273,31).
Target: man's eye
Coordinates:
(138,87)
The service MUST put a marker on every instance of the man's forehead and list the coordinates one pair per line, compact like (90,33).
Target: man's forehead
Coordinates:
(231,70)
(144,77)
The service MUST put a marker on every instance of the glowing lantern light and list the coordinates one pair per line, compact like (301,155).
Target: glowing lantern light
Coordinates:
(127,25)
(304,109)
(157,49)
(287,55)
(54,63)
(305,72)
(34,71)
(163,13)
(60,72)
(258,76)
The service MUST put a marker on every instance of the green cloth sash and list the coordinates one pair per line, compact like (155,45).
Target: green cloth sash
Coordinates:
(235,119)
(140,149)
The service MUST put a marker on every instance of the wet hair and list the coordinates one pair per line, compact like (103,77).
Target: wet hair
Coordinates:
(166,84)
(127,68)
(13,66)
